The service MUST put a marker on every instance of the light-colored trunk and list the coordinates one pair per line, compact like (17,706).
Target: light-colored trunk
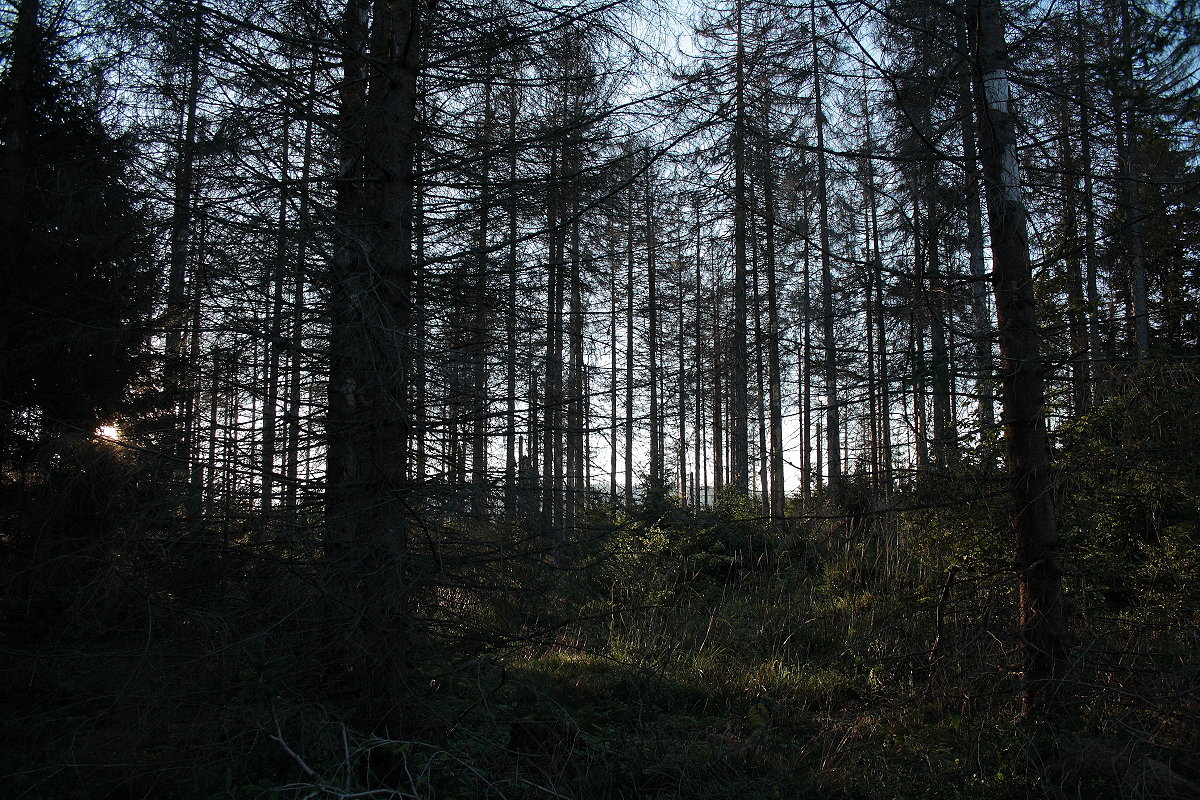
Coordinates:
(1043,624)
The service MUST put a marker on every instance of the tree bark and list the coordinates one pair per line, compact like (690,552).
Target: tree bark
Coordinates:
(369,420)
(774,380)
(1043,623)
(1134,225)
(739,410)
(980,314)
(832,406)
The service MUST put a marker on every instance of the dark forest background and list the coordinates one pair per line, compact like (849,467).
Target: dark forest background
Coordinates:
(750,399)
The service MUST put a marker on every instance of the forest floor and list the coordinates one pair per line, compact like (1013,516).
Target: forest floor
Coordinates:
(668,665)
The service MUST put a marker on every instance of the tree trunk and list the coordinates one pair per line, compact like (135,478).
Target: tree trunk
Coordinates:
(832,407)
(980,314)
(176,384)
(943,439)
(804,365)
(655,416)
(296,343)
(576,400)
(1095,345)
(740,452)
(480,402)
(718,410)
(774,380)
(275,343)
(510,317)
(369,423)
(1043,624)
(681,381)
(613,377)
(629,294)
(552,443)
(1134,227)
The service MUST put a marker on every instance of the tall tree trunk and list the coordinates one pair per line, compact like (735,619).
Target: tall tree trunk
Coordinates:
(629,295)
(1072,264)
(655,416)
(1043,624)
(943,439)
(275,343)
(885,391)
(369,420)
(296,343)
(774,380)
(718,410)
(480,402)
(25,49)
(576,375)
(980,314)
(917,315)
(833,424)
(739,410)
(1095,345)
(510,316)
(804,365)
(613,378)
(177,385)
(700,480)
(1134,225)
(869,277)
(760,383)
(552,444)
(420,345)
(681,381)
(18,110)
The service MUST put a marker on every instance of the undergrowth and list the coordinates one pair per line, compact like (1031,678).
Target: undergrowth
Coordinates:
(663,653)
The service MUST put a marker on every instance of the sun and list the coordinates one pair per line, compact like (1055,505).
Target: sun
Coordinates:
(108,432)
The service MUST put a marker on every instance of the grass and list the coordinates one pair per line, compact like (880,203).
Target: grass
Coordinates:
(665,666)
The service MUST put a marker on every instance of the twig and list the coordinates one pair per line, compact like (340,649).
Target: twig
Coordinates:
(278,737)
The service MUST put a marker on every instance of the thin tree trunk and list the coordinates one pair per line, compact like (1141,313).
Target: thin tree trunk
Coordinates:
(576,390)
(917,341)
(885,391)
(629,294)
(1095,345)
(760,384)
(175,380)
(1072,247)
(613,366)
(718,411)
(804,367)
(740,453)
(552,467)
(832,406)
(775,388)
(655,416)
(681,375)
(1134,227)
(275,341)
(980,315)
(510,318)
(869,328)
(703,497)
(480,402)
(943,440)
(296,345)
